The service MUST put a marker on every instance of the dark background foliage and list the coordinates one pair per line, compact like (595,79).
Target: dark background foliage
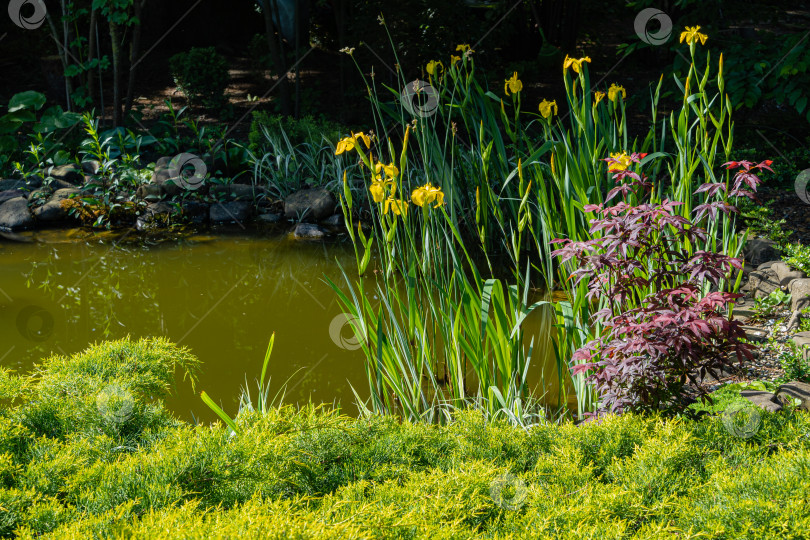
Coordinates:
(764,41)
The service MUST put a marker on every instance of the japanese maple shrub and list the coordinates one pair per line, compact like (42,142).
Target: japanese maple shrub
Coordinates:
(662,319)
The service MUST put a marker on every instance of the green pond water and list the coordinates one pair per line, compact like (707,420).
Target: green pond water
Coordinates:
(222,296)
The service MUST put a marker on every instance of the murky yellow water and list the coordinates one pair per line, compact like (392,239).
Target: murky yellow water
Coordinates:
(221,296)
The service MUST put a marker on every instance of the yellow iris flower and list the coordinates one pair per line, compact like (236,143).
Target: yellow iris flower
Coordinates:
(692,34)
(613,92)
(622,163)
(398,207)
(454,59)
(427,194)
(598,96)
(378,188)
(548,108)
(513,84)
(390,170)
(574,63)
(464,47)
(433,67)
(347,144)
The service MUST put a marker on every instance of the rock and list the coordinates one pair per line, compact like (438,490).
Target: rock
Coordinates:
(14,215)
(41,193)
(785,274)
(795,390)
(763,400)
(269,218)
(762,283)
(230,211)
(799,294)
(27,184)
(753,333)
(150,192)
(57,184)
(158,214)
(160,208)
(91,167)
(335,221)
(269,205)
(760,250)
(802,341)
(766,265)
(746,271)
(67,173)
(53,210)
(793,322)
(162,177)
(11,194)
(308,230)
(743,311)
(310,204)
(8,185)
(196,212)
(172,187)
(236,192)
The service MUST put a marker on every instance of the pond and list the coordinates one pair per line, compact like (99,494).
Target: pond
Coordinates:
(221,295)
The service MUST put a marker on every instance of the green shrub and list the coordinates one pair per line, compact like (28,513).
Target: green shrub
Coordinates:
(306,130)
(65,470)
(760,220)
(202,76)
(797,256)
(796,366)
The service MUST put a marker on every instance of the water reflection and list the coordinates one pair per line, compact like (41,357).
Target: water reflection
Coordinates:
(221,296)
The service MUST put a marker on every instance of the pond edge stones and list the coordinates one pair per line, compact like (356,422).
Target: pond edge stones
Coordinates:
(795,392)
(311,205)
(15,215)
(773,275)
(38,202)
